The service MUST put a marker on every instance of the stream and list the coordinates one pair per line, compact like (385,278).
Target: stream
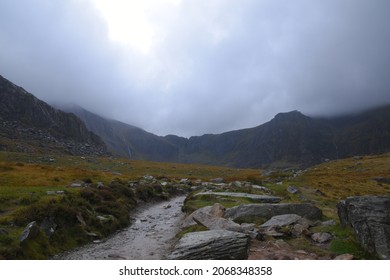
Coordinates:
(150,236)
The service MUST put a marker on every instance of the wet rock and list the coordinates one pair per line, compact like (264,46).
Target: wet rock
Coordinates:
(281,220)
(245,211)
(254,197)
(369,216)
(217,210)
(31,231)
(212,245)
(321,237)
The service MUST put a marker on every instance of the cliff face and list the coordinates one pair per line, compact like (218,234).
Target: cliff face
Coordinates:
(28,124)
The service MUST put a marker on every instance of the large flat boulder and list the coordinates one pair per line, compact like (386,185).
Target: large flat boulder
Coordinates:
(212,245)
(267,211)
(369,216)
(255,197)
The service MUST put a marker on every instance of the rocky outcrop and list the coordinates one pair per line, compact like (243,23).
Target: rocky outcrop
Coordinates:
(212,245)
(267,211)
(254,197)
(369,216)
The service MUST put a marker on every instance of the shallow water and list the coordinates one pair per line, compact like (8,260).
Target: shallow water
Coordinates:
(150,237)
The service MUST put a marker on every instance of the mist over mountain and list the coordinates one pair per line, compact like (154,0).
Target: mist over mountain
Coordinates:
(289,139)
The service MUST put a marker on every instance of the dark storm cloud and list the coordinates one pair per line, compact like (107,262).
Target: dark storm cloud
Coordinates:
(215,65)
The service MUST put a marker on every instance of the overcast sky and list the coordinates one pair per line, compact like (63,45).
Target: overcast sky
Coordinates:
(190,67)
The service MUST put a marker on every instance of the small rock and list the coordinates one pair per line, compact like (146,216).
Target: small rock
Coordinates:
(217,180)
(321,237)
(328,223)
(148,177)
(31,231)
(261,188)
(318,192)
(281,220)
(77,184)
(81,219)
(184,181)
(344,257)
(167,206)
(292,189)
(50,192)
(3,231)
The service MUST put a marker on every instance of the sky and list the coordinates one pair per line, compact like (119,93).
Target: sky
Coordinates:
(190,67)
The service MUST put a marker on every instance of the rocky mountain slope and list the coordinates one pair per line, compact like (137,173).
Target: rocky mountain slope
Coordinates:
(28,124)
(127,140)
(289,139)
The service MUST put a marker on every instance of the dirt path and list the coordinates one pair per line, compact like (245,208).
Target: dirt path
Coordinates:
(150,236)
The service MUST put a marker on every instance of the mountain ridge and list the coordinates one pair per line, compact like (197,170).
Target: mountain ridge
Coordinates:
(27,124)
(289,139)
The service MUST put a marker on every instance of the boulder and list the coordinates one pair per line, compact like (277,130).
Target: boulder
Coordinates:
(211,245)
(369,216)
(254,197)
(281,220)
(217,210)
(30,232)
(267,211)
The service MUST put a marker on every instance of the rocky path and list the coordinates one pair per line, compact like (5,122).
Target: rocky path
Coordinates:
(150,236)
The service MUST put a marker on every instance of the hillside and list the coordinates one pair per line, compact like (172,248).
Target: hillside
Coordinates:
(126,140)
(289,139)
(28,124)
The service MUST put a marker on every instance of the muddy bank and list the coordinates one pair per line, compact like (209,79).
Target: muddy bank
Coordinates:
(150,236)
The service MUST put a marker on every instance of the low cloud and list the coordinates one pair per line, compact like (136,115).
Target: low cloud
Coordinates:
(213,66)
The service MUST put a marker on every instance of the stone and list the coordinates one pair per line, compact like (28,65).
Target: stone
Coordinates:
(217,180)
(236,184)
(31,231)
(217,210)
(292,189)
(369,216)
(254,197)
(321,237)
(267,211)
(328,223)
(148,177)
(211,245)
(281,220)
(77,184)
(3,231)
(184,181)
(48,226)
(261,188)
(344,257)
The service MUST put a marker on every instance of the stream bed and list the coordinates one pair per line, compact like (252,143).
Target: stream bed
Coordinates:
(150,236)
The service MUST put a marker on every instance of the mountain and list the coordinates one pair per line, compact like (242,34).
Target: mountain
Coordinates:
(289,139)
(28,124)
(126,140)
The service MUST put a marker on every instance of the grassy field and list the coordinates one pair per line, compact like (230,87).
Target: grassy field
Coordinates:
(26,181)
